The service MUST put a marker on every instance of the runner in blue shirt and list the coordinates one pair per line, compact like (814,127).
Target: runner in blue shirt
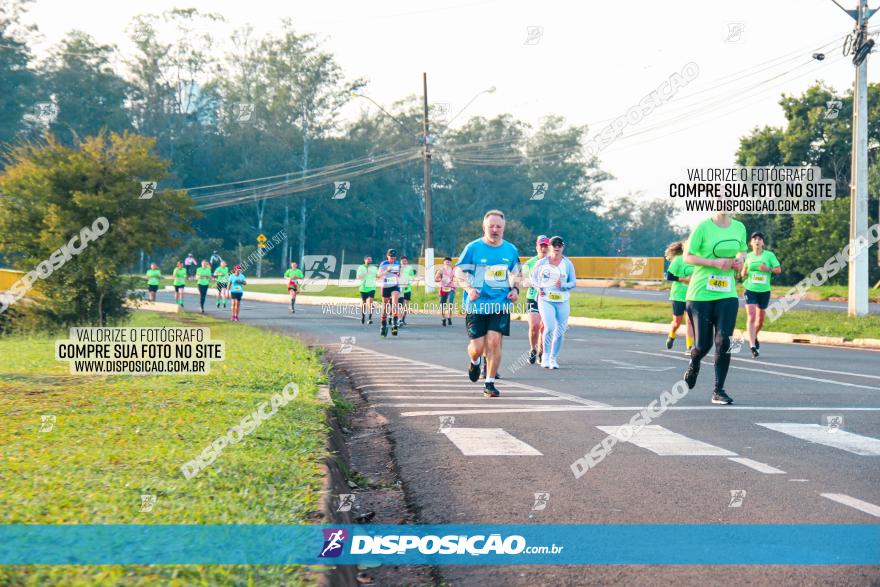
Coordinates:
(489,269)
(389,276)
(236,290)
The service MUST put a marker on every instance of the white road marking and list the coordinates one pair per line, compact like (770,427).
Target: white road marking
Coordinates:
(758,466)
(478,399)
(661,441)
(632,367)
(863,506)
(808,368)
(799,480)
(854,443)
(637,408)
(489,442)
(456,397)
(476,390)
(769,372)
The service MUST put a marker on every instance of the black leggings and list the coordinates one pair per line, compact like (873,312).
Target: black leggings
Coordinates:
(203,292)
(713,322)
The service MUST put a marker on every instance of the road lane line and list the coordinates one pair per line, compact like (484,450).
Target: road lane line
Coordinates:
(664,442)
(850,373)
(758,466)
(769,372)
(863,506)
(469,397)
(854,443)
(489,442)
(480,402)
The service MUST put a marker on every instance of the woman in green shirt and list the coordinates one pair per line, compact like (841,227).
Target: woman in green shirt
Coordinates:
(715,248)
(203,275)
(679,274)
(153,277)
(366,276)
(294,280)
(759,265)
(222,275)
(179,275)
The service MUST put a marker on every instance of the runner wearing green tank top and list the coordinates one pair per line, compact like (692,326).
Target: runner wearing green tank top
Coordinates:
(222,275)
(179,275)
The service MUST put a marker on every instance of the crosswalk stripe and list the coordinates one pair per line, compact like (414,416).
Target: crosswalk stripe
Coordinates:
(854,443)
(489,442)
(758,466)
(664,442)
(864,506)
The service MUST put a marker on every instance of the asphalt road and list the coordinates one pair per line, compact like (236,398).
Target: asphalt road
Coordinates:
(662,296)
(786,458)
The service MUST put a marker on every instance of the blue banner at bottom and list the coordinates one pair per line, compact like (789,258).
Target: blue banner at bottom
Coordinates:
(532,544)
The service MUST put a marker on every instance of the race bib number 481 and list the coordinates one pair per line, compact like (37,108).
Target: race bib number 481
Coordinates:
(722,283)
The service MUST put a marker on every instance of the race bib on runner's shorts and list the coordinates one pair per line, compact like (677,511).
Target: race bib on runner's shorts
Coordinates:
(759,278)
(719,283)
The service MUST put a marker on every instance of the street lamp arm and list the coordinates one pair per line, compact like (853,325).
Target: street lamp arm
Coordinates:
(379,106)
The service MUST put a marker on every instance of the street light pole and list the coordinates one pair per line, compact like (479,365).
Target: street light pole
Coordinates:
(429,221)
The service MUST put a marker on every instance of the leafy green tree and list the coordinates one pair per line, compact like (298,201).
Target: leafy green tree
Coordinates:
(814,134)
(18,80)
(52,192)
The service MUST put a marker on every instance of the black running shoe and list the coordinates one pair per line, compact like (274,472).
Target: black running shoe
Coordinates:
(474,371)
(757,344)
(669,343)
(444,322)
(490,390)
(719,397)
(533,356)
(394,330)
(755,352)
(449,321)
(384,330)
(690,376)
(370,321)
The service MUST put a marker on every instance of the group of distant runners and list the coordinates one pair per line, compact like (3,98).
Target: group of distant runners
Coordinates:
(703,271)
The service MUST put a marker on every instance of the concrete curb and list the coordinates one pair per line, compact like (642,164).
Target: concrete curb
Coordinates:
(163,307)
(604,323)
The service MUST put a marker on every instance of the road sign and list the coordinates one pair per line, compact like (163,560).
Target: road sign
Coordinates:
(261,241)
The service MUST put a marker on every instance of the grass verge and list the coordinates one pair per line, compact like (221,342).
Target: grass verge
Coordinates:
(117,438)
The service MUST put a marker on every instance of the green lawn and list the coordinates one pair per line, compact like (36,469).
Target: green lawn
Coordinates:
(118,437)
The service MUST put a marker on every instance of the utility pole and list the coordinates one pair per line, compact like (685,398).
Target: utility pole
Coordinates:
(857,304)
(429,221)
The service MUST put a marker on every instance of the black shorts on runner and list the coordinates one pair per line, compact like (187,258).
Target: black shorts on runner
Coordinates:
(762,298)
(236,295)
(221,286)
(444,298)
(368,295)
(386,291)
(407,295)
(678,308)
(532,306)
(153,288)
(479,324)
(178,287)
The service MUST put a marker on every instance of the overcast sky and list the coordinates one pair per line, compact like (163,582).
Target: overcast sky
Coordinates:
(588,61)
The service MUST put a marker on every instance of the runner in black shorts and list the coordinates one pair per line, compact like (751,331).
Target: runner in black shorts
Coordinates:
(389,274)
(366,276)
(489,266)
(759,267)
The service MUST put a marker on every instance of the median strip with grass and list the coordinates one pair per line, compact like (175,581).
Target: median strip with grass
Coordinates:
(115,439)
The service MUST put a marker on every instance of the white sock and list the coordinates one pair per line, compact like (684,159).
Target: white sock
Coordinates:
(490,379)
(477,362)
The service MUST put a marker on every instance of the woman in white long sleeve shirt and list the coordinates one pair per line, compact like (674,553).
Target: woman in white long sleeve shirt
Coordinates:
(555,280)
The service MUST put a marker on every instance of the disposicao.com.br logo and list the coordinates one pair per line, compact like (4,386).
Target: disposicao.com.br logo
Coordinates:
(452,544)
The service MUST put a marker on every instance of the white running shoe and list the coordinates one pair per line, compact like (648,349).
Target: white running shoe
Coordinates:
(554,364)
(545,362)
